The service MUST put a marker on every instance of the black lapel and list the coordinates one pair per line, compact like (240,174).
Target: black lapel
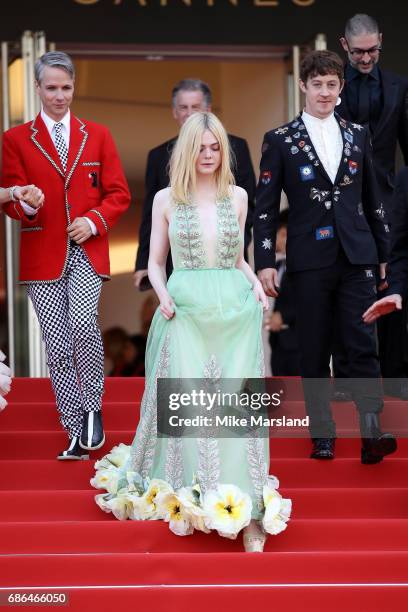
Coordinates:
(348,166)
(347,135)
(390,94)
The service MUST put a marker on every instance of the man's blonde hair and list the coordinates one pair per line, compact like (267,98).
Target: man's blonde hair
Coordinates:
(183,174)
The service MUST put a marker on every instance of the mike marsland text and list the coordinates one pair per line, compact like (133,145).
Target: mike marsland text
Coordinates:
(254,420)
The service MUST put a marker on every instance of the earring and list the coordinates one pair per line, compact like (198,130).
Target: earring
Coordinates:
(338,101)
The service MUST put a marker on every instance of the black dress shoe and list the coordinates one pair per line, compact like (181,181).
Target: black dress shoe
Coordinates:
(323,448)
(73,452)
(374,443)
(92,436)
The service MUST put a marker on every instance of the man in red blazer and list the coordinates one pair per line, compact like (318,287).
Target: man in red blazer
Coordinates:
(64,252)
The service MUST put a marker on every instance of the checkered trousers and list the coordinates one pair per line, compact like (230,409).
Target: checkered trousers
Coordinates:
(67,313)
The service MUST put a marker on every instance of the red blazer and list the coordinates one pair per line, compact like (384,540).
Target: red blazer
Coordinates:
(93,186)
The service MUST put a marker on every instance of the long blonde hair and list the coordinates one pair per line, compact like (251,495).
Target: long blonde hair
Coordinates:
(183,174)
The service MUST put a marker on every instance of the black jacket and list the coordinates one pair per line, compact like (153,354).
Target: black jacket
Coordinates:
(322,215)
(157,178)
(392,127)
(398,268)
(286,339)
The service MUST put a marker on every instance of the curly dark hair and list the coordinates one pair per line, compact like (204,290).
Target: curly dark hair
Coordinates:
(321,63)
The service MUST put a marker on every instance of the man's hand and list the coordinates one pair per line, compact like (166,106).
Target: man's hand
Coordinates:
(383,285)
(32,195)
(382,307)
(138,276)
(275,322)
(79,230)
(269,280)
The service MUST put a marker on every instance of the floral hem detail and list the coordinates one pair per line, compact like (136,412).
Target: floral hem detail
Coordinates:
(225,509)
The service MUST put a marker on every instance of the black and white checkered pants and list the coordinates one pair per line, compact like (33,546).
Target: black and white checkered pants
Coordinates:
(67,311)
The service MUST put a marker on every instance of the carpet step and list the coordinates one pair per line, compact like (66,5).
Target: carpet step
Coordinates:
(293,472)
(42,415)
(118,389)
(336,598)
(202,568)
(62,537)
(318,503)
(47,444)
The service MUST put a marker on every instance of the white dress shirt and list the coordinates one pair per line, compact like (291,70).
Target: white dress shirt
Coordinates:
(50,123)
(326,137)
(65,132)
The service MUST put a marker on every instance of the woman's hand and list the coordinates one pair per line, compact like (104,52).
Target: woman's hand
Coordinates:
(167,306)
(260,294)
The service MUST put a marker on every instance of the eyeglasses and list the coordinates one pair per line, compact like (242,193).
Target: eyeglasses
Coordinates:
(359,53)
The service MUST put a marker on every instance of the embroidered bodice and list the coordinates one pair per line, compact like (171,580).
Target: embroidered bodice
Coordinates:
(204,238)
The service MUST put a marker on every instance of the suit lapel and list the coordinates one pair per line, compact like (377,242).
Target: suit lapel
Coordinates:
(77,140)
(347,136)
(42,140)
(349,166)
(390,94)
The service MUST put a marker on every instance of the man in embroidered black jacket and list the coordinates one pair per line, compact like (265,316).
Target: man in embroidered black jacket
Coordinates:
(337,236)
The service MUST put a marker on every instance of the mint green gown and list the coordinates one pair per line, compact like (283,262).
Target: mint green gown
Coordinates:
(215,333)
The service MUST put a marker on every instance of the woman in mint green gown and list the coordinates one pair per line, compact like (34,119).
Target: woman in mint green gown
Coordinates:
(207,326)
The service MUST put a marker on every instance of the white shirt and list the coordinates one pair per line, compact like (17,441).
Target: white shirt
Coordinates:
(65,132)
(50,123)
(326,137)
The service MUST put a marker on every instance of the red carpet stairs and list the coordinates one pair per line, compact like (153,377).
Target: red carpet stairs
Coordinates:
(345,548)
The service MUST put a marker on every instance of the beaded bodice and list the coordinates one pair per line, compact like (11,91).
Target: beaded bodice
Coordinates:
(210,240)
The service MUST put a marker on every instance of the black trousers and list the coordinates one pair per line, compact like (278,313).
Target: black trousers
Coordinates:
(338,293)
(285,360)
(392,349)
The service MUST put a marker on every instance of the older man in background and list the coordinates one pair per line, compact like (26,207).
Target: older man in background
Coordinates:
(188,96)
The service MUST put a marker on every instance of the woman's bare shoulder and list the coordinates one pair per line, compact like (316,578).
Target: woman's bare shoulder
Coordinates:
(240,197)
(162,199)
(239,193)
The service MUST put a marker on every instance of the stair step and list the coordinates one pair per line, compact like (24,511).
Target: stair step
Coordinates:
(59,536)
(317,502)
(19,474)
(201,568)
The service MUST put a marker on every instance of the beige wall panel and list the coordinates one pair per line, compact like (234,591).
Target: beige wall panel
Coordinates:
(253,100)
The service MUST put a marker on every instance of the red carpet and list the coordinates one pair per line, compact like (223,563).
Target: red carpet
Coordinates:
(346,547)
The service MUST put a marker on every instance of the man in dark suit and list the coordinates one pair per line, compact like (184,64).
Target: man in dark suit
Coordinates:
(282,321)
(336,240)
(378,100)
(398,265)
(188,97)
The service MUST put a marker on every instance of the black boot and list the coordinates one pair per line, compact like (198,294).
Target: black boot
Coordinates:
(323,448)
(375,443)
(92,436)
(73,452)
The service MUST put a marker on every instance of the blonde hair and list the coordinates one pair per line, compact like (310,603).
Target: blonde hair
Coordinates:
(183,174)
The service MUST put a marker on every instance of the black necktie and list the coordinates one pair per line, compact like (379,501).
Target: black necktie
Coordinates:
(364,100)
